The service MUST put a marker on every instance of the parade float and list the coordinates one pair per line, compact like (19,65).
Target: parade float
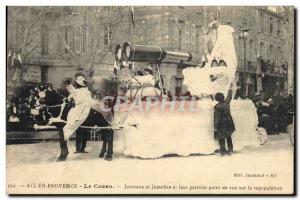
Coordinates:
(147,124)
(183,126)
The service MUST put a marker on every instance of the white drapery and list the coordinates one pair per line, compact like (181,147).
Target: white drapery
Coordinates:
(198,80)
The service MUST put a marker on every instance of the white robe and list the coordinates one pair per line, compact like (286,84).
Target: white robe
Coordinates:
(144,87)
(78,114)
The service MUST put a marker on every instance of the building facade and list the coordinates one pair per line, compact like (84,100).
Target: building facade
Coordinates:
(266,50)
(58,42)
(173,28)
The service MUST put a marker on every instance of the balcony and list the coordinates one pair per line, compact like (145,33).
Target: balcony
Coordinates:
(275,71)
(251,67)
(272,69)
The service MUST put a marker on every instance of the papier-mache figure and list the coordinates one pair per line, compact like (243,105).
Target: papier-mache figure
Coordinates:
(219,70)
(212,33)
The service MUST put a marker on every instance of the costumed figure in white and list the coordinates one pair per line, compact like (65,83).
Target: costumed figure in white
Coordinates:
(83,102)
(212,33)
(219,71)
(79,114)
(143,85)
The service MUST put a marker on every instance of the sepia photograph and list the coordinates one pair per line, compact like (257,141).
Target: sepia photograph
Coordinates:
(150,100)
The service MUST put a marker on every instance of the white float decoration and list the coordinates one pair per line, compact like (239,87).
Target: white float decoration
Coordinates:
(161,132)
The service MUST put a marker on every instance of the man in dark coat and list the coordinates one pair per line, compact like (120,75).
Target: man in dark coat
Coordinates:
(223,122)
(82,136)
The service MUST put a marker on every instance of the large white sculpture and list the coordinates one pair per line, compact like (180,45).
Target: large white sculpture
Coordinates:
(210,80)
(160,132)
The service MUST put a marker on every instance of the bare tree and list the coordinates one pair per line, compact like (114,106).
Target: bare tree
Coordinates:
(27,21)
(23,26)
(100,29)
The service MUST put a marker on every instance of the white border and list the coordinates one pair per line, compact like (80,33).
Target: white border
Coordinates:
(5,3)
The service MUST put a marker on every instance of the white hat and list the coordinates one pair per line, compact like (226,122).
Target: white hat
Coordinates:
(42,94)
(80,80)
(148,69)
(270,100)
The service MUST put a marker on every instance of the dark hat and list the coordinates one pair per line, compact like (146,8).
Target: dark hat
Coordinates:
(222,62)
(219,97)
(214,61)
(140,73)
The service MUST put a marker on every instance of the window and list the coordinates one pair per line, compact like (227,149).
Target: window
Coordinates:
(261,23)
(66,37)
(188,33)
(76,10)
(20,30)
(249,65)
(278,28)
(278,55)
(271,26)
(106,35)
(83,38)
(175,38)
(268,51)
(44,40)
(261,49)
(271,53)
(193,38)
(108,8)
(77,39)
(197,43)
(265,25)
(69,38)
(179,40)
(92,45)
(98,9)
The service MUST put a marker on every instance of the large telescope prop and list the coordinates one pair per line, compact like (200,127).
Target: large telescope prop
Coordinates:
(153,54)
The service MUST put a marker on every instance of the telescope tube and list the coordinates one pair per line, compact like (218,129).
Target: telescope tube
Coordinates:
(146,53)
(142,53)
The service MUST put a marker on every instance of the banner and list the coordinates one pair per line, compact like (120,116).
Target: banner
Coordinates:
(33,74)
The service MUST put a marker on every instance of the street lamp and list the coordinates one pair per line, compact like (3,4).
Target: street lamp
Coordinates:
(244,34)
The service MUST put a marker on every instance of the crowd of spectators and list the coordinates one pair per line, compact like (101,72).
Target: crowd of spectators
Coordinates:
(22,105)
(275,112)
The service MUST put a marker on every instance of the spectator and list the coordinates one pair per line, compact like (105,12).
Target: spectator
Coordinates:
(22,100)
(13,118)
(169,95)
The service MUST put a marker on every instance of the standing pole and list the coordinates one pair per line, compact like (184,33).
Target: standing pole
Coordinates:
(160,80)
(132,12)
(245,65)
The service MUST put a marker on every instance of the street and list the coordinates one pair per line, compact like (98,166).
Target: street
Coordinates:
(267,165)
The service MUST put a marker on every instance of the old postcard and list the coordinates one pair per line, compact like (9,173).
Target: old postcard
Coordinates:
(150,100)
